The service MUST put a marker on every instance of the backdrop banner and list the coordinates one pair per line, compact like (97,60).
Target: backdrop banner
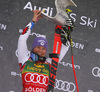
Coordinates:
(16,14)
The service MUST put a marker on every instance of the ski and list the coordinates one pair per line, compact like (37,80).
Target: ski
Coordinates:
(55,57)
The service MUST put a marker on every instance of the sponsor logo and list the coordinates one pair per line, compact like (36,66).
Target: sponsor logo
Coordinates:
(48,10)
(85,21)
(78,45)
(65,86)
(38,69)
(96,71)
(30,89)
(33,33)
(37,35)
(90,90)
(1,48)
(69,64)
(15,74)
(97,50)
(3,26)
(42,42)
(36,78)
(20,30)
(39,66)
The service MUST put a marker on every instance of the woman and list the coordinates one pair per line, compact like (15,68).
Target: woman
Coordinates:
(35,69)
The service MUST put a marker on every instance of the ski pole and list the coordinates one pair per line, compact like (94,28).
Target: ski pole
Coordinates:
(73,61)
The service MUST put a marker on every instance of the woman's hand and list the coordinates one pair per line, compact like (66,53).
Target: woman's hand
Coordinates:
(37,15)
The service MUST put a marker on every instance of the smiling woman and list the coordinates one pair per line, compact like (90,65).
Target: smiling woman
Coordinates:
(40,46)
(40,50)
(34,67)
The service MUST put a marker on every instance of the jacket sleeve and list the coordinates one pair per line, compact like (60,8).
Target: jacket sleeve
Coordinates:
(64,50)
(23,53)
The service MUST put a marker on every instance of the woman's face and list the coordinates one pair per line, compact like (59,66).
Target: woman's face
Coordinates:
(41,51)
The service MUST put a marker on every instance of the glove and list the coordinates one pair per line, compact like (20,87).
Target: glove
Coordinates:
(64,38)
(70,22)
(65,34)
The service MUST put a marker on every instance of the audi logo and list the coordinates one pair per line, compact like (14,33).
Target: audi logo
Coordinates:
(36,78)
(96,71)
(65,86)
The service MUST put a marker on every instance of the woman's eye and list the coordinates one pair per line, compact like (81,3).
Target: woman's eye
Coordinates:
(43,48)
(38,47)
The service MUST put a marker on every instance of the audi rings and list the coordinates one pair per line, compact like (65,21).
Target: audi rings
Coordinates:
(65,86)
(96,71)
(36,78)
